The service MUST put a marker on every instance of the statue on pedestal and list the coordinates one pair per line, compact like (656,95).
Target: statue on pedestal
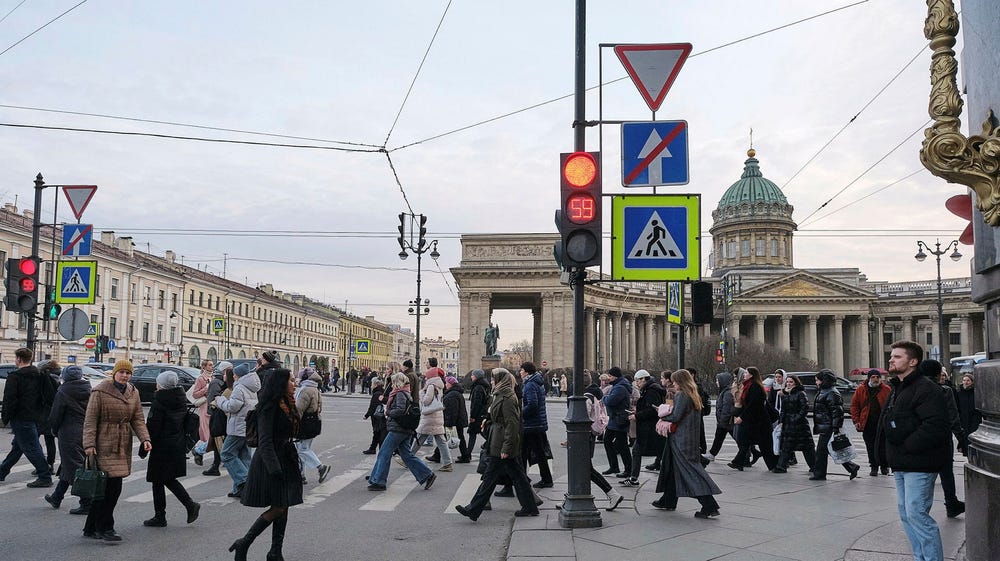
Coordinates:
(492,334)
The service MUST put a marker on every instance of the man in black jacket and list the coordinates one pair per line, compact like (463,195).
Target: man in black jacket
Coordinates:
(917,441)
(24,397)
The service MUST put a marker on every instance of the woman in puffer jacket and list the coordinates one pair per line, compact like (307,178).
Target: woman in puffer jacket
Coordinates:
(432,422)
(308,401)
(795,435)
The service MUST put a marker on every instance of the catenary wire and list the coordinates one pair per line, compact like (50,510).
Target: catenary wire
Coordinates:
(875,192)
(417,73)
(856,115)
(46,24)
(12,10)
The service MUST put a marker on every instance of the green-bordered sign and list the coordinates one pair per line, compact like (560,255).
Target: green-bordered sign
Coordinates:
(75,282)
(675,302)
(218,325)
(656,237)
(363,347)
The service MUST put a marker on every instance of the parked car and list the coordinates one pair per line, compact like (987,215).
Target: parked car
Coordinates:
(144,378)
(845,386)
(105,367)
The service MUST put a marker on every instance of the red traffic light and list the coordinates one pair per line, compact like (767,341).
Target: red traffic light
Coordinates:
(580,208)
(580,169)
(27,266)
(27,284)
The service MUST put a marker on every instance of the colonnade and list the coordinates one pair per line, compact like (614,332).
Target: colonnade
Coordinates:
(624,339)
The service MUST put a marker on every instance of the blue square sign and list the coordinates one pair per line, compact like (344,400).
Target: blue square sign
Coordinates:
(655,153)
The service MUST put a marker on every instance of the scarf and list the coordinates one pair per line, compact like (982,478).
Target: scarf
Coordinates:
(505,388)
(392,395)
(745,389)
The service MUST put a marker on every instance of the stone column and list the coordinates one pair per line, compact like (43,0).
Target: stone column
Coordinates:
(733,329)
(589,359)
(965,333)
(466,336)
(758,329)
(536,335)
(907,328)
(812,339)
(616,338)
(603,350)
(547,332)
(865,342)
(649,349)
(838,345)
(630,354)
(783,337)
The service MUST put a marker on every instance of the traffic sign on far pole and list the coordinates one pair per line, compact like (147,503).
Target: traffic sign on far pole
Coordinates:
(653,68)
(79,197)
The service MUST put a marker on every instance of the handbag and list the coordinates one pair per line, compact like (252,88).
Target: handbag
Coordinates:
(310,426)
(379,411)
(217,422)
(251,430)
(195,401)
(452,434)
(89,482)
(840,448)
(776,437)
(434,406)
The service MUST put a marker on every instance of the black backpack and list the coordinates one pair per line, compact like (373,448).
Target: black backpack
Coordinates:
(411,415)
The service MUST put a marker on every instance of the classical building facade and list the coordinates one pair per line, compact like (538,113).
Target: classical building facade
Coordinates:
(446,351)
(379,338)
(833,316)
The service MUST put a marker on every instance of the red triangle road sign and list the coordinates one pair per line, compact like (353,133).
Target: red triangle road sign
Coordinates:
(653,68)
(79,197)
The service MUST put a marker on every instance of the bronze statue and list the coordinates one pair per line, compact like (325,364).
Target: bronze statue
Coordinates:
(492,334)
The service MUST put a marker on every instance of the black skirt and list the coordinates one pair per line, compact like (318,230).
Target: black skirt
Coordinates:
(282,490)
(535,447)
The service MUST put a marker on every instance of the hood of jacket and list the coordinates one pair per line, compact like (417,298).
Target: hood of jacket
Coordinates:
(725,381)
(455,388)
(535,378)
(251,382)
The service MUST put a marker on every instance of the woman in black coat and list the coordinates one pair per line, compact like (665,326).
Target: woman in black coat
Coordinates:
(168,459)
(274,480)
(479,403)
(456,417)
(647,441)
(66,421)
(376,412)
(754,422)
(828,419)
(968,415)
(795,434)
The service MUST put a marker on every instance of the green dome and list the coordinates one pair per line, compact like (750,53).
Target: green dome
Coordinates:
(752,187)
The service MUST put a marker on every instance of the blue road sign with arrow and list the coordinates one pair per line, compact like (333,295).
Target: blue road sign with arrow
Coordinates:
(654,153)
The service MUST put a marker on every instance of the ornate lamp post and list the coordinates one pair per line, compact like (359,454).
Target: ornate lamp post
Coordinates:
(937,252)
(422,246)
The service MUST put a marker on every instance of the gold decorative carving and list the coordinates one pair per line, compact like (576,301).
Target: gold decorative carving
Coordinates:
(974,161)
(801,287)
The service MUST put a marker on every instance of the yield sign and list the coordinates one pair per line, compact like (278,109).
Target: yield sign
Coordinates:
(79,197)
(653,68)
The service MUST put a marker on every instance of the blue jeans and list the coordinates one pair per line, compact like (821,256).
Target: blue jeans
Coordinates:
(914,496)
(396,442)
(26,443)
(236,457)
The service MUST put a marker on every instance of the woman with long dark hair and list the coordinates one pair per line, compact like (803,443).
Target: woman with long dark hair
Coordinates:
(754,421)
(795,433)
(274,481)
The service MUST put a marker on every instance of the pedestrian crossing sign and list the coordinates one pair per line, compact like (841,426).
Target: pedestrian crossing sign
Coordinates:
(656,237)
(675,299)
(363,347)
(75,282)
(218,325)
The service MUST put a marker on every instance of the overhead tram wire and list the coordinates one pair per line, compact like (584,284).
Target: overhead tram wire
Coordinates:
(46,24)
(864,173)
(12,10)
(609,82)
(875,192)
(856,115)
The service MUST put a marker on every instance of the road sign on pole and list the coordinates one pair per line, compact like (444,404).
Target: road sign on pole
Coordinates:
(218,325)
(73,324)
(363,346)
(656,237)
(77,239)
(655,153)
(675,302)
(653,68)
(75,282)
(79,197)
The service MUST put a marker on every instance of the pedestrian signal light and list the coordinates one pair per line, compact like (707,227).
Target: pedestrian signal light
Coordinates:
(579,216)
(22,285)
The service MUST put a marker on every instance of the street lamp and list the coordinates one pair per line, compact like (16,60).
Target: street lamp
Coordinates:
(944,338)
(421,246)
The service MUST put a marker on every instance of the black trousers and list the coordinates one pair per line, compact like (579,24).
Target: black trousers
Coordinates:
(870,434)
(472,441)
(512,468)
(823,456)
(720,435)
(616,444)
(160,495)
(102,512)
(948,483)
(595,476)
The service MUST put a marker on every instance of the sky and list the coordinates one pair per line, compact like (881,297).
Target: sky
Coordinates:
(465,96)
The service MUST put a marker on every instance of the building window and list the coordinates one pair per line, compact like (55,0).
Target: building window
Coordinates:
(888,338)
(209,300)
(97,284)
(145,332)
(163,296)
(954,338)
(173,334)
(131,293)
(148,295)
(745,248)
(173,302)
(131,329)
(199,325)
(113,328)
(761,248)
(930,337)
(774,248)
(159,333)
(201,298)
(191,298)
(93,318)
(191,323)
(114,289)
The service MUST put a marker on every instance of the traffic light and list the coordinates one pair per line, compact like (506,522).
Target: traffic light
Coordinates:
(52,310)
(22,285)
(423,232)
(579,216)
(701,303)
(102,343)
(402,231)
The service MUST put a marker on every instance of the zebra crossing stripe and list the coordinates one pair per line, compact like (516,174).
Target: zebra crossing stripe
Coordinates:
(396,491)
(464,493)
(332,485)
(187,482)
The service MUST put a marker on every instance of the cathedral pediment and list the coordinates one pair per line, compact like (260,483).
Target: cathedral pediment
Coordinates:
(802,284)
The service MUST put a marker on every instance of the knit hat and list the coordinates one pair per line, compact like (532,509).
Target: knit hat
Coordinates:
(640,374)
(305,373)
(167,380)
(269,356)
(241,370)
(615,372)
(478,373)
(223,366)
(71,373)
(451,380)
(123,364)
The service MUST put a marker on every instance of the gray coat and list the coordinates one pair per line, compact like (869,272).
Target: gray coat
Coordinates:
(240,402)
(66,420)
(682,453)
(724,404)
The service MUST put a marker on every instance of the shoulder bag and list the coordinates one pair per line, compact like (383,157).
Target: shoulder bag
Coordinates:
(195,401)
(310,426)
(434,406)
(89,482)
(410,419)
(216,422)
(251,430)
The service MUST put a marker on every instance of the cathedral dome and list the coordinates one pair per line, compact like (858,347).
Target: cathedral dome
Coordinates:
(752,187)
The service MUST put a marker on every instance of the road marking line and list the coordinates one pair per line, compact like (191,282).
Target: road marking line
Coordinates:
(188,484)
(323,491)
(389,499)
(464,493)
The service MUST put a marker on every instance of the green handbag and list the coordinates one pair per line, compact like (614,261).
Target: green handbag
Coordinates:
(89,482)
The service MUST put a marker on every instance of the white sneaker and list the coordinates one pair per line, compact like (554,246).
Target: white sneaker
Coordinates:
(615,498)
(708,457)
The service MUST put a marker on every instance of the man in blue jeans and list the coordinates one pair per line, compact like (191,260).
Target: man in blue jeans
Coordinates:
(237,403)
(25,395)
(918,445)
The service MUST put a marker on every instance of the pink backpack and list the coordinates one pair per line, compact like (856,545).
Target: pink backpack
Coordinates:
(598,415)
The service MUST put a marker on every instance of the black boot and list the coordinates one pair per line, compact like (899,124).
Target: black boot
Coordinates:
(241,545)
(277,538)
(159,520)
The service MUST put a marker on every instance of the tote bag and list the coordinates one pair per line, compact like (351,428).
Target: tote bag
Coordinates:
(840,448)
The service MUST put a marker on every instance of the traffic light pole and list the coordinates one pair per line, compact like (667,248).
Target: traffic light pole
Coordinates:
(578,509)
(36,230)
